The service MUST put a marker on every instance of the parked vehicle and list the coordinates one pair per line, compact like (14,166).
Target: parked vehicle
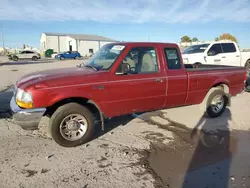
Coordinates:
(26,54)
(68,55)
(217,53)
(54,55)
(121,78)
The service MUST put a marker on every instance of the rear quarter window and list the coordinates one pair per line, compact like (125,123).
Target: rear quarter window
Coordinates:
(173,58)
(228,47)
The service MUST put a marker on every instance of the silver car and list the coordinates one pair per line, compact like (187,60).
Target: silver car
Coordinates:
(27,54)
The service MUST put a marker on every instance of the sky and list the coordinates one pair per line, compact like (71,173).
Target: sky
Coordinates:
(22,22)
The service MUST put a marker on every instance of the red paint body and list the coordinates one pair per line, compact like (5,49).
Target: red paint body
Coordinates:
(124,94)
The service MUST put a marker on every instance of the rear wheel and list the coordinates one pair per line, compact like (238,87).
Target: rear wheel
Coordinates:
(72,125)
(247,86)
(196,65)
(216,103)
(34,58)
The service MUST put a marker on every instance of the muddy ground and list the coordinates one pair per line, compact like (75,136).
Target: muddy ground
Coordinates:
(158,149)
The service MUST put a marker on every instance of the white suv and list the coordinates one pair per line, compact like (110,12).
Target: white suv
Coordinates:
(27,54)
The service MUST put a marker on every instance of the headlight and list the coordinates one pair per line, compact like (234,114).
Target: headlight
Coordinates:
(24,99)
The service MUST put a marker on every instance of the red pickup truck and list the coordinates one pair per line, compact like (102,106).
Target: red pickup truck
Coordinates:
(121,78)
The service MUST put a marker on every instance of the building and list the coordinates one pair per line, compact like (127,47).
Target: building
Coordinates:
(84,44)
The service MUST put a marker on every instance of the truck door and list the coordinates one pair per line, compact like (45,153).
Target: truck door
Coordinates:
(144,88)
(176,78)
(231,56)
(22,55)
(214,55)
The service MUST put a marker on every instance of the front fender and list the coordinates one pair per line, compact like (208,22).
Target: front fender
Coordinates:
(49,97)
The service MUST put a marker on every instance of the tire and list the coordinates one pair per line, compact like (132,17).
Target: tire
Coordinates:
(247,87)
(210,109)
(196,65)
(58,117)
(247,65)
(15,58)
(34,58)
(62,58)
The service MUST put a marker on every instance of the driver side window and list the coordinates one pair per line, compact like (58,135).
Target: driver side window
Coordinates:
(141,60)
(214,50)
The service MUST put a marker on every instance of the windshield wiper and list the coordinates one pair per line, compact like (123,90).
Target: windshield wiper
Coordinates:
(91,66)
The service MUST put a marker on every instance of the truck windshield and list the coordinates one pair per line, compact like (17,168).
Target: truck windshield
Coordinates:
(195,49)
(104,58)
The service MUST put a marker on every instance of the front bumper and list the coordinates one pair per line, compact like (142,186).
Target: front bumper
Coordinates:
(28,119)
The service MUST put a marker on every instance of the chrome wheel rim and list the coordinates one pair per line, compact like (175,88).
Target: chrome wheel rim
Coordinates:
(248,66)
(73,127)
(217,103)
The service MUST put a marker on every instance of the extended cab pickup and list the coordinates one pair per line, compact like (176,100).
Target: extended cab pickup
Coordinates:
(217,53)
(121,78)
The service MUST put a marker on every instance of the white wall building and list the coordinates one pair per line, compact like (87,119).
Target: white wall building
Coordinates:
(84,44)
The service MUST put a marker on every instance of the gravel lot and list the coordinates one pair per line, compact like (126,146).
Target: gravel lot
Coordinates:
(151,150)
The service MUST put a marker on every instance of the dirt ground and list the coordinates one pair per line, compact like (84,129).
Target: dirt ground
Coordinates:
(158,149)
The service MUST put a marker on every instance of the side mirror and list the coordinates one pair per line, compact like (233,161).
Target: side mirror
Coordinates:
(123,69)
(211,53)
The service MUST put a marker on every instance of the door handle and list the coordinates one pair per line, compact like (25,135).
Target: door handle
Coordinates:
(158,80)
(223,57)
(237,56)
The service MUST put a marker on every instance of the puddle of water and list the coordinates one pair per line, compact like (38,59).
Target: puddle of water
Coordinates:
(204,161)
(201,157)
(10,88)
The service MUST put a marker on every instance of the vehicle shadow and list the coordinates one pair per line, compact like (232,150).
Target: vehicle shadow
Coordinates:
(112,124)
(5,98)
(211,147)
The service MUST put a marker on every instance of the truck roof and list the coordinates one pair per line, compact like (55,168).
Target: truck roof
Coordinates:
(147,43)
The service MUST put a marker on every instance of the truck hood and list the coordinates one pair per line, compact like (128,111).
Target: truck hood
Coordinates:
(54,74)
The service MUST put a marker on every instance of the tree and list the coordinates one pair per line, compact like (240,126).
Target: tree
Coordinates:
(185,39)
(195,39)
(227,36)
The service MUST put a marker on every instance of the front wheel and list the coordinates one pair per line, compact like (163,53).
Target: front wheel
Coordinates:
(15,58)
(247,65)
(216,103)
(72,125)
(62,58)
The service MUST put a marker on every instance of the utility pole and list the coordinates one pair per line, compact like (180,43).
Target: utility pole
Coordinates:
(2,36)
